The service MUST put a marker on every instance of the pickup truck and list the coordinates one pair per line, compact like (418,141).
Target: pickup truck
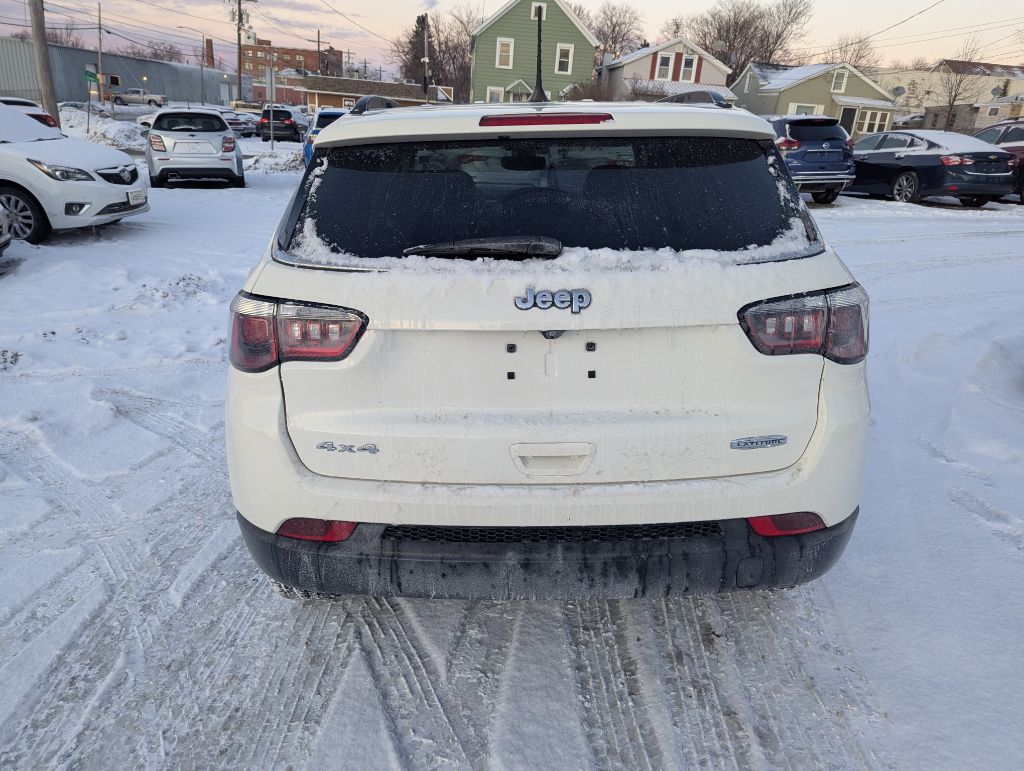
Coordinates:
(139,96)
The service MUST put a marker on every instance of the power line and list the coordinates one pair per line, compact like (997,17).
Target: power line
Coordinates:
(350,20)
(868,37)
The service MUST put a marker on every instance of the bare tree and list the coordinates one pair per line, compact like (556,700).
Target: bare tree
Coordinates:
(959,81)
(584,14)
(751,31)
(856,49)
(642,90)
(620,28)
(917,63)
(449,49)
(64,35)
(670,28)
(157,50)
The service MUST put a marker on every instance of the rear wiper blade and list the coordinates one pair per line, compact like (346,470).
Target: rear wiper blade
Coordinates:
(514,247)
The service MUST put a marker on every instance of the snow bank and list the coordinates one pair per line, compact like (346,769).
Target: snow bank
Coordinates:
(119,134)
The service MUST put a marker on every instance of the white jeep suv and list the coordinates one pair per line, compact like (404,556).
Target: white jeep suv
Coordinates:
(547,351)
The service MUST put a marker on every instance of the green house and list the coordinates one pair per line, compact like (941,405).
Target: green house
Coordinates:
(504,52)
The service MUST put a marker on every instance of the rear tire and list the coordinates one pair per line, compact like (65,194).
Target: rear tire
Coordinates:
(152,103)
(906,188)
(29,221)
(825,196)
(974,201)
(118,100)
(156,182)
(238,181)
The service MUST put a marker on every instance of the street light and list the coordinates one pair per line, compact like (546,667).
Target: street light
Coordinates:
(202,62)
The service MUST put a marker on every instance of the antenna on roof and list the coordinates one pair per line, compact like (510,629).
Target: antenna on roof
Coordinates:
(538,86)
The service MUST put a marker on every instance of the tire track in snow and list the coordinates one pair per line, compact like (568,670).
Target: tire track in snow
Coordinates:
(428,730)
(617,721)
(1003,524)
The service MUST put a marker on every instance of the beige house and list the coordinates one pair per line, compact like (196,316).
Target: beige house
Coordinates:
(836,90)
(676,66)
(971,118)
(923,88)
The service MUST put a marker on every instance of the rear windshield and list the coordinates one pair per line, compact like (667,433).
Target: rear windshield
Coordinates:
(191,122)
(817,131)
(278,114)
(323,121)
(619,193)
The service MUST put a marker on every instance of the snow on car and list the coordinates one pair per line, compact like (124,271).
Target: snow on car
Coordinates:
(583,422)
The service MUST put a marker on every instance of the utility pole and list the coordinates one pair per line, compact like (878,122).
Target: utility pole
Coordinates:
(44,74)
(238,31)
(426,56)
(99,61)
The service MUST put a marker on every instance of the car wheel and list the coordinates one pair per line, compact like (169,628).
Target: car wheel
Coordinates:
(118,100)
(265,139)
(28,220)
(825,196)
(156,182)
(238,181)
(905,188)
(152,103)
(974,201)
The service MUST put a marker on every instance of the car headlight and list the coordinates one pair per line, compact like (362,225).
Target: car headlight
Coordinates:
(62,173)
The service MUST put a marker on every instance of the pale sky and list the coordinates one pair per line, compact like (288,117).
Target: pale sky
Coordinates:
(938,32)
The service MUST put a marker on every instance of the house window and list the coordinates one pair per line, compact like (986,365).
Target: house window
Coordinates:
(563,58)
(748,88)
(298,58)
(495,94)
(689,69)
(249,54)
(664,67)
(803,109)
(503,55)
(261,54)
(248,66)
(519,97)
(543,11)
(870,121)
(838,81)
(993,112)
(286,57)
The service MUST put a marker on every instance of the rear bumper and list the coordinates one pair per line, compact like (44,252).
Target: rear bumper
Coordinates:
(957,188)
(812,182)
(499,563)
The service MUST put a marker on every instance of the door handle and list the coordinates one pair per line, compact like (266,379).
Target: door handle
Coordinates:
(553,458)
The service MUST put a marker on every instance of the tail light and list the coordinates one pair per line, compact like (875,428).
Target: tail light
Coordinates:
(324,530)
(786,524)
(266,333)
(227,145)
(47,119)
(833,324)
(288,122)
(157,143)
(786,144)
(955,160)
(264,120)
(549,119)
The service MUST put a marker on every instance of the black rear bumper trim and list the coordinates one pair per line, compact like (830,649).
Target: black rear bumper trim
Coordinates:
(390,561)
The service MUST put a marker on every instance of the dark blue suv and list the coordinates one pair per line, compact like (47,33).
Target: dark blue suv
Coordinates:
(818,153)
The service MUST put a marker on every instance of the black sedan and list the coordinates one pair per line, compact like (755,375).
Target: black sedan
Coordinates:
(910,165)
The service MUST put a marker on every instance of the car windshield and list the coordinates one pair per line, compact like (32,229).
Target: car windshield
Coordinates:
(620,193)
(190,122)
(325,120)
(817,131)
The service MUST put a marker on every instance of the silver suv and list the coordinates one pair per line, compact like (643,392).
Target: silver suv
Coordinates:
(193,144)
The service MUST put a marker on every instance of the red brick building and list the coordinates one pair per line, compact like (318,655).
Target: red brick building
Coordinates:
(257,57)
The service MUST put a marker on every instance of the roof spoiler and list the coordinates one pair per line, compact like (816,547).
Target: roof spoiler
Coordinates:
(699,97)
(372,102)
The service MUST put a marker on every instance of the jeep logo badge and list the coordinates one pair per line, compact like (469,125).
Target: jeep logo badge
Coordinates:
(576,299)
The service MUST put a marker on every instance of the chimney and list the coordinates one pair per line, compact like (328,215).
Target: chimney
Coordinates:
(208,53)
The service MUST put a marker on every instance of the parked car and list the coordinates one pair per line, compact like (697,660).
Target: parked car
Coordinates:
(818,154)
(910,165)
(30,108)
(253,122)
(6,230)
(281,124)
(52,182)
(323,119)
(138,96)
(593,411)
(1009,136)
(239,125)
(193,144)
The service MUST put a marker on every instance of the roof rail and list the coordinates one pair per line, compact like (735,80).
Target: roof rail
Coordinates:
(698,97)
(372,102)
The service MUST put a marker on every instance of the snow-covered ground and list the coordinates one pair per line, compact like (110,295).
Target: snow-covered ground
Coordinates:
(135,630)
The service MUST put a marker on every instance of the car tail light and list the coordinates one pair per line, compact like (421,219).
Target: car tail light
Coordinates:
(157,143)
(955,160)
(45,118)
(265,333)
(264,120)
(288,121)
(227,145)
(786,144)
(324,530)
(833,324)
(550,119)
(786,524)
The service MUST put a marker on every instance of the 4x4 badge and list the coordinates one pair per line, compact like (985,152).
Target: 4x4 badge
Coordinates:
(576,299)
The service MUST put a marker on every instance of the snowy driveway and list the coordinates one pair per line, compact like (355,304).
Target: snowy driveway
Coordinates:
(135,631)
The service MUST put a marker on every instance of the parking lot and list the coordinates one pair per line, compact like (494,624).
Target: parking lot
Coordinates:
(135,629)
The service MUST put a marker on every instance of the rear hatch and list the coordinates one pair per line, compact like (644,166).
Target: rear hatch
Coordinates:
(996,164)
(190,133)
(821,144)
(621,360)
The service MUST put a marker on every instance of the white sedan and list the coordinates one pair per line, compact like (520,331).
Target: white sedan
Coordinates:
(49,181)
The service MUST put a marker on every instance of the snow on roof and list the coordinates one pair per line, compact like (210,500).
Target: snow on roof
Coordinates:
(983,68)
(16,126)
(956,143)
(857,101)
(648,50)
(670,87)
(776,77)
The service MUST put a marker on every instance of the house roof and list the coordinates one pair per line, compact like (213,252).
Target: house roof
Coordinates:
(672,87)
(643,52)
(856,101)
(961,67)
(360,87)
(774,78)
(1001,100)
(565,8)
